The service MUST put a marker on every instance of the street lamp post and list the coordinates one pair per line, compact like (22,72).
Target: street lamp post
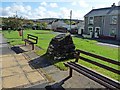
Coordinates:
(70,18)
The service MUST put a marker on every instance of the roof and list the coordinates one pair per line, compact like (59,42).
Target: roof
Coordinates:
(104,11)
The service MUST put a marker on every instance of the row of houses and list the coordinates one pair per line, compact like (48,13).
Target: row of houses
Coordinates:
(103,23)
(98,23)
(61,25)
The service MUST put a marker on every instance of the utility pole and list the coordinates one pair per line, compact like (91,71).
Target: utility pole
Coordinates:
(16,14)
(19,27)
(70,18)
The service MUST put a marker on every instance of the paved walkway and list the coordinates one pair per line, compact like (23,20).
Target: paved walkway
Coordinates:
(15,69)
(61,81)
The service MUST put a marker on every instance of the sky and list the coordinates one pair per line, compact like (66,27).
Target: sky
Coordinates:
(37,9)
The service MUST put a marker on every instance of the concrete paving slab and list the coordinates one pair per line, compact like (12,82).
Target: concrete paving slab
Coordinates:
(0,72)
(4,45)
(2,56)
(1,59)
(34,77)
(6,50)
(0,83)
(27,68)
(19,57)
(9,62)
(23,62)
(28,47)
(51,69)
(0,64)
(7,57)
(11,71)
(14,81)
(31,55)
(25,48)
(80,81)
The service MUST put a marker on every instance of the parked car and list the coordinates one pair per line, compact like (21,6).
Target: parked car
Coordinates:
(61,29)
(74,31)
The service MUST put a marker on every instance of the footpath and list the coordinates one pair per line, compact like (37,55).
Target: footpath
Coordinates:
(18,73)
(15,70)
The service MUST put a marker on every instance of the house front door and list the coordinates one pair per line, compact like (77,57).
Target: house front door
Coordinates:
(91,31)
(80,31)
(97,32)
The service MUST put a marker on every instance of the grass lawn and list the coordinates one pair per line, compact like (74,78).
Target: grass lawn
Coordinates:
(84,44)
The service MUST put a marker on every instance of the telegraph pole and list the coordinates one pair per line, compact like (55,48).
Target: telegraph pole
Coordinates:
(19,27)
(70,18)
(16,13)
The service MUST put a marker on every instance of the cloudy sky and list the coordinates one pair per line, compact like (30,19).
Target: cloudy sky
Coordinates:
(36,9)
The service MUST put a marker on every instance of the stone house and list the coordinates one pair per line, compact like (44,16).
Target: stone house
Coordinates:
(103,23)
(59,25)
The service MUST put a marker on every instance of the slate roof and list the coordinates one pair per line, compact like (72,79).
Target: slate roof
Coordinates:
(104,11)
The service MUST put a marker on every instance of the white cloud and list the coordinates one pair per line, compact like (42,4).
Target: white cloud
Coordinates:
(21,10)
(100,6)
(83,3)
(0,11)
(53,14)
(40,11)
(28,8)
(6,11)
(29,14)
(43,4)
(53,5)
(114,1)
(74,3)
(40,8)
(65,12)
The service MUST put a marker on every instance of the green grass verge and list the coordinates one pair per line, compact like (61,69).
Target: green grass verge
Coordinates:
(44,38)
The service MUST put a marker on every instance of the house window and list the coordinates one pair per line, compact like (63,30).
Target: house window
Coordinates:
(114,20)
(91,19)
(113,32)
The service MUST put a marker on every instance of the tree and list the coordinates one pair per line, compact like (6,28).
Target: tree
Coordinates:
(13,23)
(39,25)
(44,25)
(68,22)
(30,24)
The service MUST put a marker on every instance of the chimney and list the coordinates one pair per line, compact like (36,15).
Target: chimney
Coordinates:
(113,5)
(119,3)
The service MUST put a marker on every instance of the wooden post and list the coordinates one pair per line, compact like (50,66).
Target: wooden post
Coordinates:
(77,56)
(32,46)
(70,72)
(25,43)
